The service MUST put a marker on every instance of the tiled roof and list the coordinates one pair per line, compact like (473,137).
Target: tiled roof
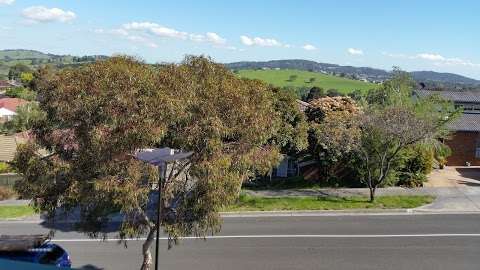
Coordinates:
(467,122)
(456,96)
(11,103)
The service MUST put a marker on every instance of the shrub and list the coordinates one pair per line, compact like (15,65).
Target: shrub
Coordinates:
(5,168)
(417,163)
(6,193)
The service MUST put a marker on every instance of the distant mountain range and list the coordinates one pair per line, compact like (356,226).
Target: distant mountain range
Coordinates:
(363,73)
(35,59)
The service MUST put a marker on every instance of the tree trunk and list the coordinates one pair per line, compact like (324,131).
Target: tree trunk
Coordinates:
(372,194)
(147,255)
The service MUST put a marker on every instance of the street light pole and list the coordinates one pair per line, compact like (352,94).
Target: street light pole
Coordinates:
(159,211)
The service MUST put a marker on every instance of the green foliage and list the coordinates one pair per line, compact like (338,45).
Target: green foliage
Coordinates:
(292,78)
(314,93)
(416,164)
(16,71)
(27,116)
(26,77)
(98,116)
(5,168)
(397,123)
(21,92)
(292,133)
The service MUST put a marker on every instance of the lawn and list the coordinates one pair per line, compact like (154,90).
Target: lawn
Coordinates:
(281,78)
(252,203)
(15,211)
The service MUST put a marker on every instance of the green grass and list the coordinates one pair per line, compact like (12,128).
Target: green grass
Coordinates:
(280,78)
(251,203)
(19,211)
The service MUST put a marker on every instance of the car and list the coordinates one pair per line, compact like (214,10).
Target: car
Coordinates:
(34,249)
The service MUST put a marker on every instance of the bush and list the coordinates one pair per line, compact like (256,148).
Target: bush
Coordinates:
(5,168)
(417,163)
(6,193)
(21,92)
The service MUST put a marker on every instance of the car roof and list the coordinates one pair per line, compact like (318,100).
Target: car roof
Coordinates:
(22,242)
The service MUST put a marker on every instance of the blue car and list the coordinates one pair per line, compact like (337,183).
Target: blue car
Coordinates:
(42,252)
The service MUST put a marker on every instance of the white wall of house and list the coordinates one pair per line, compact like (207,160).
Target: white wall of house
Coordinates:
(6,114)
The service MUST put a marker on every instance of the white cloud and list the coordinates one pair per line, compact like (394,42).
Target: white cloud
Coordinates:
(6,2)
(309,47)
(156,29)
(354,51)
(262,42)
(437,59)
(126,35)
(166,32)
(215,39)
(431,56)
(43,14)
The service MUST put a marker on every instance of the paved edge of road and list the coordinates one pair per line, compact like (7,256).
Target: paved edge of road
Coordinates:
(36,219)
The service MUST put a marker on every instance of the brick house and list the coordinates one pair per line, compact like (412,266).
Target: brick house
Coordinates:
(465,140)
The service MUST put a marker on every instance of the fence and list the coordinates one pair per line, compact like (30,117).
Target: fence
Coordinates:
(9,179)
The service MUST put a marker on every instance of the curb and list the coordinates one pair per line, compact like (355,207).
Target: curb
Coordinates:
(306,213)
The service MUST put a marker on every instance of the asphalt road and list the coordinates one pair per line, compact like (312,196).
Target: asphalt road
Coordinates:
(322,242)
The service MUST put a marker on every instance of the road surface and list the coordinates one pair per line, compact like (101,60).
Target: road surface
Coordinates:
(399,241)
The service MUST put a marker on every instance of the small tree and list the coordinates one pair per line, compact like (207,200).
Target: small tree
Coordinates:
(384,134)
(99,115)
(314,93)
(311,80)
(292,78)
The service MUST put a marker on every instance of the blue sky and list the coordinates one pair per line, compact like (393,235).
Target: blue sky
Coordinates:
(412,34)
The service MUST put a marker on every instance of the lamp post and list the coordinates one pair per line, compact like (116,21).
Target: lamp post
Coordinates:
(160,157)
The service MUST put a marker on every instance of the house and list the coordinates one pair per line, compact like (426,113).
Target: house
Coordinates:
(290,166)
(8,108)
(465,140)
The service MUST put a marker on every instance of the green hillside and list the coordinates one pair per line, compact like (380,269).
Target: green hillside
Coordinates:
(281,78)
(22,54)
(35,59)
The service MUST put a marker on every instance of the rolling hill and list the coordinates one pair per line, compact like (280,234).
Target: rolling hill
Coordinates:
(370,74)
(281,78)
(35,59)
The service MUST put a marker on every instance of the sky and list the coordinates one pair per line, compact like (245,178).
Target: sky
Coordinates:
(411,34)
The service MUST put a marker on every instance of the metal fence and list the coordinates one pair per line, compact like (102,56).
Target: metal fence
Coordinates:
(9,179)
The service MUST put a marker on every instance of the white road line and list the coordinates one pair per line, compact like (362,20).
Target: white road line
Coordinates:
(285,236)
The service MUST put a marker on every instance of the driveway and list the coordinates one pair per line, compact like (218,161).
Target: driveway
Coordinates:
(456,188)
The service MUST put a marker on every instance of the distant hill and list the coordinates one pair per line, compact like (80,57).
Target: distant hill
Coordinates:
(363,73)
(35,59)
(301,81)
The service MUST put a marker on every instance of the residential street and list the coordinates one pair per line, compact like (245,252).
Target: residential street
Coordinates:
(401,241)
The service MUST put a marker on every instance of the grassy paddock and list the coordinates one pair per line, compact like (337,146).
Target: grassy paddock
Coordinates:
(15,211)
(252,203)
(281,78)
